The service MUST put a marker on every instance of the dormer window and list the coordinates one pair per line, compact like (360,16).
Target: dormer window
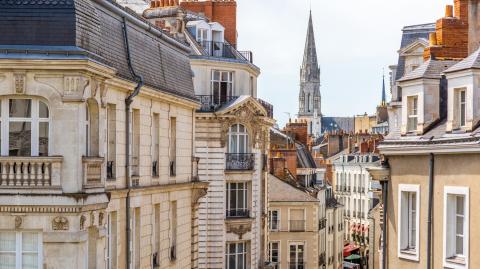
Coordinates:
(462,107)
(412,108)
(202,36)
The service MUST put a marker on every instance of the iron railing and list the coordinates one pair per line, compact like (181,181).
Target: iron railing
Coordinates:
(238,213)
(211,103)
(267,106)
(239,161)
(297,226)
(110,170)
(225,50)
(248,55)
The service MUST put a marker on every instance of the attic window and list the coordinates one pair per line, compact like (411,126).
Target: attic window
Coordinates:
(412,108)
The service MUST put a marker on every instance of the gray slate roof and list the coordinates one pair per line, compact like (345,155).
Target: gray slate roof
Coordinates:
(280,191)
(47,27)
(471,62)
(429,69)
(346,124)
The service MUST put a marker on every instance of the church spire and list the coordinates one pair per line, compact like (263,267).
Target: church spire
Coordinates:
(310,70)
(384,96)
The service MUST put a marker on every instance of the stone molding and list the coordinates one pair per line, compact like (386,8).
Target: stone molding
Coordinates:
(60,224)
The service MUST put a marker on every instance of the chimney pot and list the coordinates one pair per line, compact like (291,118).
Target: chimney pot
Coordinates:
(433,39)
(449,11)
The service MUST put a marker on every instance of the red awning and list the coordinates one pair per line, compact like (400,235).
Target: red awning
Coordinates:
(347,250)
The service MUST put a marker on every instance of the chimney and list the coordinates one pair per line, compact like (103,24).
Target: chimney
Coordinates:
(473,25)
(278,167)
(449,11)
(433,39)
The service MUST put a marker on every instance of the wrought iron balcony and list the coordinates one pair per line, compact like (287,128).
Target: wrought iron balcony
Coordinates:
(297,226)
(225,50)
(238,213)
(211,103)
(240,161)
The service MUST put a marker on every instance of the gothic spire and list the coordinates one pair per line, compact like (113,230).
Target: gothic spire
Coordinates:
(310,70)
(384,96)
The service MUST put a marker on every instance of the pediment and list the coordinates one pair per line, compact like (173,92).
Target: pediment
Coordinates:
(415,48)
(244,106)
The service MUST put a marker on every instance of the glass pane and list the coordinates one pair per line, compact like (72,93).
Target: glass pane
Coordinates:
(231,248)
(240,247)
(7,241)
(459,245)
(43,139)
(29,261)
(224,76)
(233,144)
(20,139)
(216,75)
(7,260)
(20,108)
(242,146)
(29,242)
(240,261)
(241,199)
(241,128)
(460,205)
(459,225)
(231,262)
(233,199)
(43,110)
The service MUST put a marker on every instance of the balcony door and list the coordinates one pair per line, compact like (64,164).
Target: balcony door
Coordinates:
(222,86)
(296,256)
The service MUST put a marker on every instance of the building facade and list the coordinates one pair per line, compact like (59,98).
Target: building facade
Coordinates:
(97,167)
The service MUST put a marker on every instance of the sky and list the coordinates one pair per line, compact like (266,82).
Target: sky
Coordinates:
(355,41)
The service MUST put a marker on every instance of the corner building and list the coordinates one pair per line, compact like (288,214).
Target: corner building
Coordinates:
(93,172)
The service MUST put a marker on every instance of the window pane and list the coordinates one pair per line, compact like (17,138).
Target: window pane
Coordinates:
(20,139)
(459,225)
(43,110)
(43,139)
(29,242)
(460,205)
(7,260)
(459,245)
(7,241)
(29,261)
(231,261)
(20,108)
(216,75)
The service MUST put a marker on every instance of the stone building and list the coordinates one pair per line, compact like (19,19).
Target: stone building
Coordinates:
(231,133)
(430,174)
(97,139)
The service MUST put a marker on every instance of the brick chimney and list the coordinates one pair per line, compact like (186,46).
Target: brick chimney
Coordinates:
(277,166)
(450,40)
(221,11)
(473,25)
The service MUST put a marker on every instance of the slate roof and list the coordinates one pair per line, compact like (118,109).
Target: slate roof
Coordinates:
(409,35)
(93,28)
(280,191)
(304,157)
(471,62)
(346,124)
(429,69)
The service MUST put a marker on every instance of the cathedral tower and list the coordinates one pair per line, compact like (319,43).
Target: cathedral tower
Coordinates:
(309,97)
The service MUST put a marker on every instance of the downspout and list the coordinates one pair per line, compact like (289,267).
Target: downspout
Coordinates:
(384,224)
(128,101)
(430,211)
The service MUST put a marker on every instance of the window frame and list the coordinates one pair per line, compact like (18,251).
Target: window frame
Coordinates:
(412,112)
(18,247)
(270,221)
(408,189)
(462,111)
(304,256)
(230,92)
(243,254)
(238,191)
(270,243)
(239,135)
(34,121)
(450,261)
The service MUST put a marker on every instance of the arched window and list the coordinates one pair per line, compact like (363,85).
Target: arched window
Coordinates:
(237,139)
(308,103)
(91,128)
(24,127)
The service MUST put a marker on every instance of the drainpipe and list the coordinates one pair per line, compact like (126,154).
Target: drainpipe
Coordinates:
(128,101)
(430,211)
(384,224)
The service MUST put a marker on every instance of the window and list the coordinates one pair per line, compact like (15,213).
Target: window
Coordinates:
(156,247)
(236,256)
(274,253)
(135,142)
(173,230)
(409,199)
(173,146)
(274,220)
(222,86)
(296,256)
(412,107)
(135,244)
(112,241)
(237,139)
(21,250)
(155,143)
(456,227)
(297,220)
(91,128)
(462,106)
(111,138)
(308,102)
(26,125)
(202,36)
(236,203)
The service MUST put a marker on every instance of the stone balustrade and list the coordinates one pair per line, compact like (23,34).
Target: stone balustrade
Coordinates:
(30,172)
(92,171)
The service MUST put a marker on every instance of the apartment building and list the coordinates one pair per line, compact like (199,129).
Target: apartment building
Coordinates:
(96,156)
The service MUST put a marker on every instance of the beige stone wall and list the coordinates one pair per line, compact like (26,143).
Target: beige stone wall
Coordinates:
(450,170)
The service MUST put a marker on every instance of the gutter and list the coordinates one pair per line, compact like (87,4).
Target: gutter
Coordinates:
(128,102)
(430,211)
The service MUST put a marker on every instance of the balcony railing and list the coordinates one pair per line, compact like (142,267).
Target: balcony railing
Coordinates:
(30,172)
(248,55)
(239,161)
(225,50)
(267,106)
(92,171)
(211,103)
(297,226)
(238,213)
(297,265)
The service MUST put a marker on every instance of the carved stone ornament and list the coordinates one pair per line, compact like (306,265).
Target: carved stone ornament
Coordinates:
(60,224)
(197,194)
(18,222)
(239,230)
(103,94)
(19,80)
(74,88)
(83,219)
(100,218)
